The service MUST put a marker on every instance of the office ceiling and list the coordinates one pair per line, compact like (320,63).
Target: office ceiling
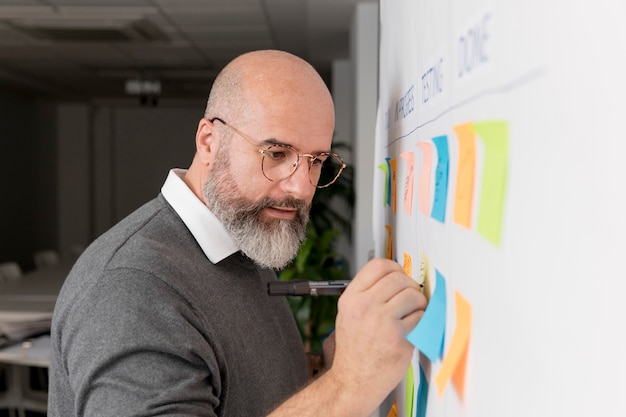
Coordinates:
(89,49)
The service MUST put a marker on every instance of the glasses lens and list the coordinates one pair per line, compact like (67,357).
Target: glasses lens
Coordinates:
(279,162)
(325,169)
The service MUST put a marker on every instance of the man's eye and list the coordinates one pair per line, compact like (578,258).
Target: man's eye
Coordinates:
(276,155)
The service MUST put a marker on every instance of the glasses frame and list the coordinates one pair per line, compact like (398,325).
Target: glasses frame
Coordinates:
(264,152)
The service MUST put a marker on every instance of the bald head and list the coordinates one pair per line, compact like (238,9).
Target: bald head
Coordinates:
(270,97)
(268,83)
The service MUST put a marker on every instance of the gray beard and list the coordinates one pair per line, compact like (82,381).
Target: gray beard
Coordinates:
(271,243)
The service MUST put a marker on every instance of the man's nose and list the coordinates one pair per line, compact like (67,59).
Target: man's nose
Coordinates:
(299,183)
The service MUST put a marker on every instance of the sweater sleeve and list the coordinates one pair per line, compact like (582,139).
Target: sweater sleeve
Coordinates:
(134,347)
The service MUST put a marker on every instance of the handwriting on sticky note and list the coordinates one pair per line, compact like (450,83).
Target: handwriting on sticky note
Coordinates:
(441,179)
(428,335)
(409,157)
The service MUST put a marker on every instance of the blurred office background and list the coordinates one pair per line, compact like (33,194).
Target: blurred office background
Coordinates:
(99,98)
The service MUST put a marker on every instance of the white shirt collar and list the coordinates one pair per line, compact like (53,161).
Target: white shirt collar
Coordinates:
(203,225)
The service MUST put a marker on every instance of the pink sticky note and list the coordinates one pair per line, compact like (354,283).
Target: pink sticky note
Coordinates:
(408,182)
(423,185)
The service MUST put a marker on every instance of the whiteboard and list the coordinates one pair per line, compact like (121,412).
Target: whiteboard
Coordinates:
(500,170)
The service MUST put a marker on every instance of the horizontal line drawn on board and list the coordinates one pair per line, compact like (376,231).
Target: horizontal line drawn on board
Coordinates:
(520,81)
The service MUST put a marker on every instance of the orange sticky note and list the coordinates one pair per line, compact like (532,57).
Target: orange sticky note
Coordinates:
(464,195)
(423,185)
(454,362)
(408,264)
(408,182)
(389,246)
(393,164)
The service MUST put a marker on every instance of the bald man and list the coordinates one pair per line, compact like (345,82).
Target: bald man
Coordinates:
(168,314)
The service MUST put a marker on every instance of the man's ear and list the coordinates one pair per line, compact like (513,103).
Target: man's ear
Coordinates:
(206,141)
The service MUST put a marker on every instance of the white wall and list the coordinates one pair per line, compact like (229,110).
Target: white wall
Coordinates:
(364,57)
(343,97)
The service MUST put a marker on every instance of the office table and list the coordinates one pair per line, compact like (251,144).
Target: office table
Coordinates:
(18,358)
(35,291)
(28,301)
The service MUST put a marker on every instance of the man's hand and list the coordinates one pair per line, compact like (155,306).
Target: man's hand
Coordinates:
(379,307)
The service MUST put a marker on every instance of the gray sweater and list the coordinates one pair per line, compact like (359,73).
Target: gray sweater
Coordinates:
(146,325)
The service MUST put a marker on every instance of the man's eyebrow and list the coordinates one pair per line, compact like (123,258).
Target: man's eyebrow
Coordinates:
(273,141)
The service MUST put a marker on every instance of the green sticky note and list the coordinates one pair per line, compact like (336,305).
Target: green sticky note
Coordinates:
(495,137)
(410,389)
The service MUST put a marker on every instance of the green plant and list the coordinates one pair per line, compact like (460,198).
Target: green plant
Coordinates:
(318,260)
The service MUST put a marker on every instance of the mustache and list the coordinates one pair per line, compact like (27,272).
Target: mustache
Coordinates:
(254,208)
(289,202)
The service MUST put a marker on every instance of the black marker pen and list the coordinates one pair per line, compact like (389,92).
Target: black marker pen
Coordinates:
(307,287)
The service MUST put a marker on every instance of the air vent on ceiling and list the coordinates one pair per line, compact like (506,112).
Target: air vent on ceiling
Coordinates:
(137,31)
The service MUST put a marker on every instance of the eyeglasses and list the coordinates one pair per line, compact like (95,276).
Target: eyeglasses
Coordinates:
(279,161)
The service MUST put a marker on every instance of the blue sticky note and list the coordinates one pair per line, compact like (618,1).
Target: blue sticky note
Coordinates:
(388,186)
(428,335)
(422,395)
(441,179)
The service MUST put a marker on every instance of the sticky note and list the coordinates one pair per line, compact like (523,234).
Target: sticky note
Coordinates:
(423,185)
(393,165)
(409,157)
(424,277)
(422,394)
(441,179)
(387,191)
(389,241)
(466,167)
(428,335)
(454,362)
(495,137)
(408,264)
(409,391)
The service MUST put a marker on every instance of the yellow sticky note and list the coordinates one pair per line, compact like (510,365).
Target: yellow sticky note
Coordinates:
(454,362)
(464,194)
(424,276)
